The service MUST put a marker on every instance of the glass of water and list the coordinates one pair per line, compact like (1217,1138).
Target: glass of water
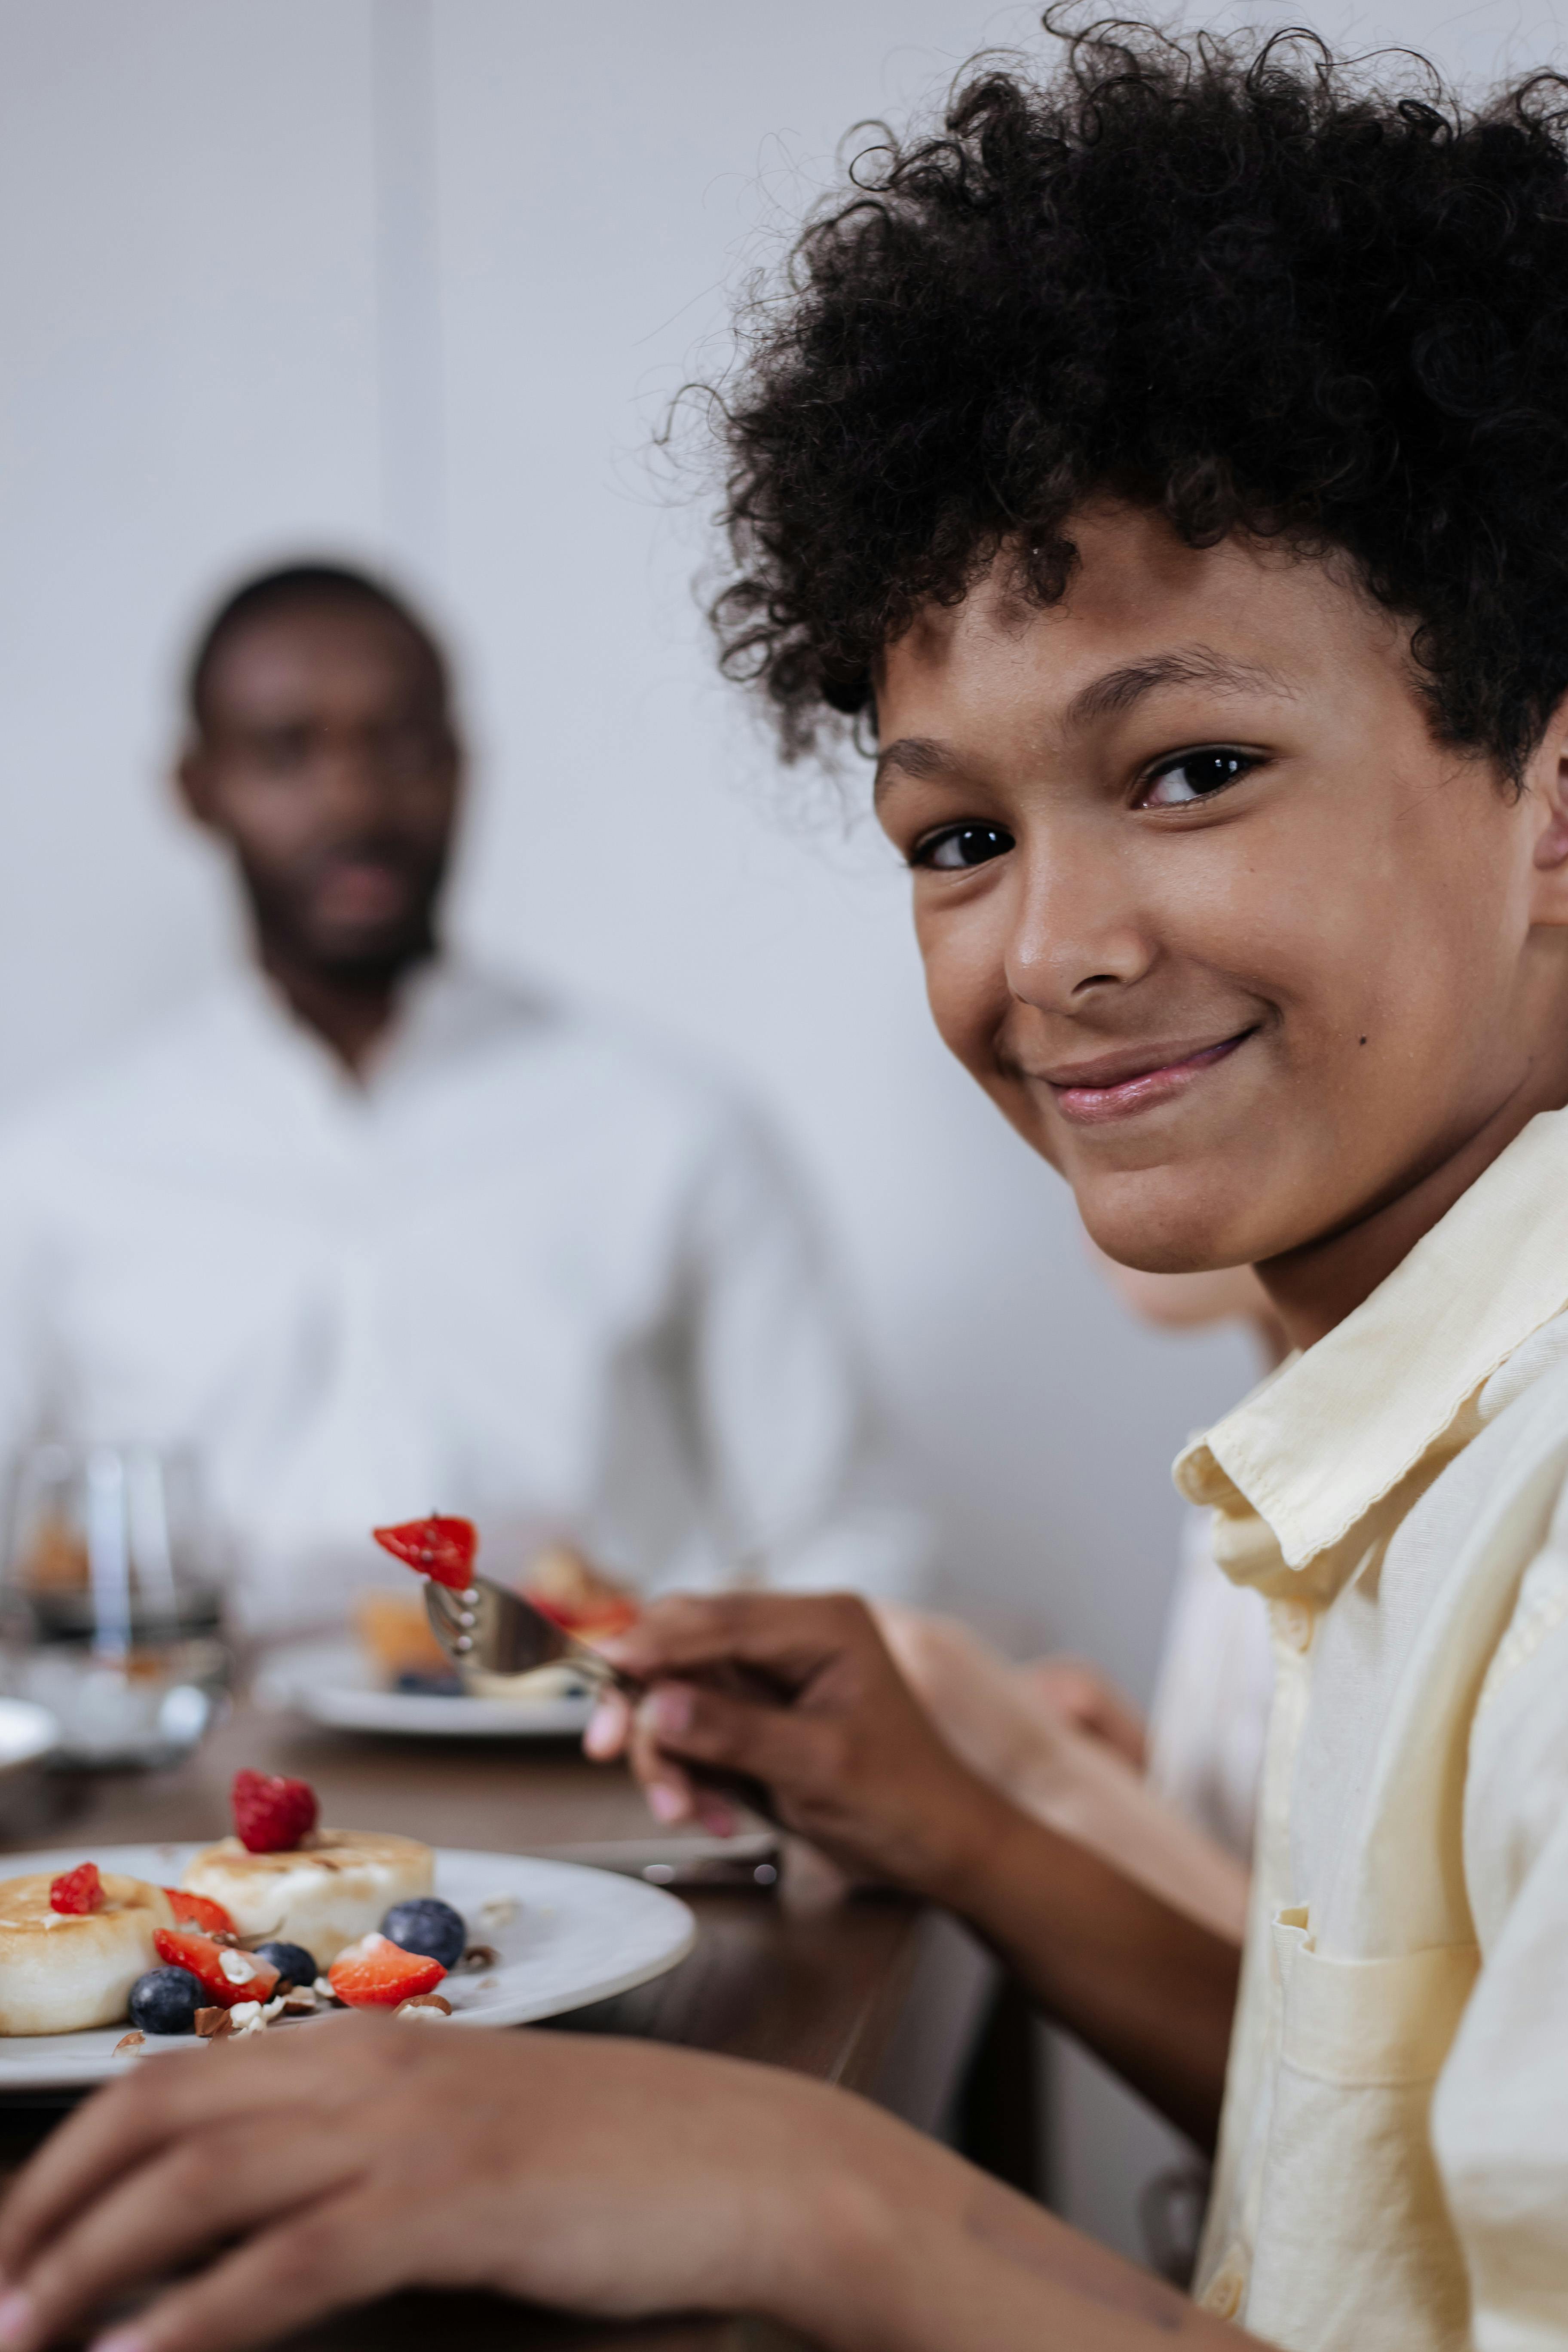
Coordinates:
(111,1601)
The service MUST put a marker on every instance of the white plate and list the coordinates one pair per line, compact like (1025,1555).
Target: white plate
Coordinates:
(331,1681)
(577,1936)
(27,1732)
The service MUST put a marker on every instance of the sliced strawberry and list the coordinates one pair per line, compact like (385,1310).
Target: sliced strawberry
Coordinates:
(595,1620)
(377,1974)
(215,1968)
(271,1814)
(199,1911)
(77,1891)
(443,1549)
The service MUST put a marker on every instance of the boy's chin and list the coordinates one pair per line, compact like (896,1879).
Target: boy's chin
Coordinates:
(1157,1228)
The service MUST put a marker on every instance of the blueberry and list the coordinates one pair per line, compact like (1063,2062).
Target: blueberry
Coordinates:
(166,2000)
(429,1928)
(290,1960)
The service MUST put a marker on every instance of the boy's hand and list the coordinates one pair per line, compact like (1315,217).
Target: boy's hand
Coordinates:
(800,1695)
(333,2162)
(326,2164)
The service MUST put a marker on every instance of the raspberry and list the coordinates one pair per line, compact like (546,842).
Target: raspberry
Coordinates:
(442,1548)
(271,1814)
(77,1891)
(223,1985)
(375,1973)
(199,1911)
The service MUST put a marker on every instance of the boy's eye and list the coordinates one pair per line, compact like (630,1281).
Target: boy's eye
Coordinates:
(1196,776)
(959,846)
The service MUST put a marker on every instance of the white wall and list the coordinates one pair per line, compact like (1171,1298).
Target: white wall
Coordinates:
(235,327)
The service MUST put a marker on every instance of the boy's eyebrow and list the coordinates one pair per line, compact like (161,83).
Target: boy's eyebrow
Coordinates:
(923,759)
(919,757)
(1109,696)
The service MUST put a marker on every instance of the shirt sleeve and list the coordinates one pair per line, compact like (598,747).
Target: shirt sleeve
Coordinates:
(1500,2112)
(793,1450)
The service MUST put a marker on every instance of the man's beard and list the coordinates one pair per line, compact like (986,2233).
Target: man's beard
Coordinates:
(360,956)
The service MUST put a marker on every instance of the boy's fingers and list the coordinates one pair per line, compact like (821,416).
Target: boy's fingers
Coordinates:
(344,2250)
(164,2098)
(209,2186)
(609,1726)
(786,1635)
(110,2132)
(770,1744)
(669,1790)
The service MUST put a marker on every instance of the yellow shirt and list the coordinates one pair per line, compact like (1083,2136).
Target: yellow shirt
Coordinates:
(1392,2168)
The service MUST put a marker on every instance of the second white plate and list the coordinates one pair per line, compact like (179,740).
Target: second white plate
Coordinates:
(331,1681)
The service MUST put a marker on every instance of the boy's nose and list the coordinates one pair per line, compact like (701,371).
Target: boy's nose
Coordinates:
(1075,933)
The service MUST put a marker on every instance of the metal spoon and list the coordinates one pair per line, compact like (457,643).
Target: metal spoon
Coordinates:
(500,1632)
(487,1626)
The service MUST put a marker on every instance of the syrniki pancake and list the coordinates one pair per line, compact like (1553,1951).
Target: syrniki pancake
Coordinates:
(324,1894)
(63,1971)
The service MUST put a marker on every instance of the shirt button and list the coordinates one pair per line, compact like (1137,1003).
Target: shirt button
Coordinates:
(1294,1619)
(1223,2296)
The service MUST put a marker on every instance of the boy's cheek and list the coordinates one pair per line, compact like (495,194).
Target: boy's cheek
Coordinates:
(966,988)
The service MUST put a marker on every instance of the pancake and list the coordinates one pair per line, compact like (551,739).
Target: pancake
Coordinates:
(61,1972)
(325,1893)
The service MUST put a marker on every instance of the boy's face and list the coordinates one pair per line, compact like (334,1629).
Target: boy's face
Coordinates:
(1205,909)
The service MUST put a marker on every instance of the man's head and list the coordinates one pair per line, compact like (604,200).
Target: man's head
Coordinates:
(321,750)
(1172,460)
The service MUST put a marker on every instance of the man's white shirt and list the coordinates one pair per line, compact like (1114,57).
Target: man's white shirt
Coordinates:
(533,1269)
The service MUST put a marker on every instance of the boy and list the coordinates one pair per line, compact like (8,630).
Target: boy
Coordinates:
(1173,461)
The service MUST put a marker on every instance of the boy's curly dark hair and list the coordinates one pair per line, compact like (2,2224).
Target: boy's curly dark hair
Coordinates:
(1231,281)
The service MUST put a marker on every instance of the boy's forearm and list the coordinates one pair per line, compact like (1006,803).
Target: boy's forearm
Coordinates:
(1085,1792)
(1148,1988)
(911,2249)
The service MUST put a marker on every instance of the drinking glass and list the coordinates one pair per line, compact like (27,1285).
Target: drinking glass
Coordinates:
(111,1601)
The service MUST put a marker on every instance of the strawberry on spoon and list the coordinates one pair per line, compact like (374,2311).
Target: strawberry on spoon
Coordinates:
(437,1548)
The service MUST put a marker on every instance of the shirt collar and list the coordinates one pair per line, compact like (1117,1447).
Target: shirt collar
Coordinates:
(447,1009)
(1330,1432)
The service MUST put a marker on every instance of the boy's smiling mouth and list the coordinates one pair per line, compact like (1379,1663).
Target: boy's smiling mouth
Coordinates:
(1117,1085)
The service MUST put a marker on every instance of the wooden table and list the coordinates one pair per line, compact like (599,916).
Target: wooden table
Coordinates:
(864,1990)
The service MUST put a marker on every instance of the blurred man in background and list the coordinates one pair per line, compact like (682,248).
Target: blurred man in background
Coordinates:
(373,1233)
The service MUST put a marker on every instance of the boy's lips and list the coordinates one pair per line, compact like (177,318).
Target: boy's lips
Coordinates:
(1117,1085)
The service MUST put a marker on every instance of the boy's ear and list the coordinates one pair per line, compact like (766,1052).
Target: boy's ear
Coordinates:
(1548,789)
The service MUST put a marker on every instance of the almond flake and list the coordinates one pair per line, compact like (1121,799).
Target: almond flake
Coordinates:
(235,1967)
(496,1910)
(213,2024)
(128,2043)
(479,1955)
